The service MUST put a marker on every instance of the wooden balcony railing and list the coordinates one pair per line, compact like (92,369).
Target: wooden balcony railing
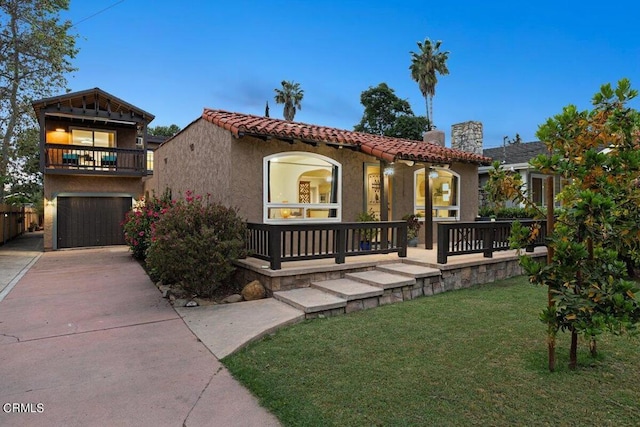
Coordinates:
(486,237)
(62,158)
(292,242)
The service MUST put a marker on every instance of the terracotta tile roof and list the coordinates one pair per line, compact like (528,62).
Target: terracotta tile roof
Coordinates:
(382,147)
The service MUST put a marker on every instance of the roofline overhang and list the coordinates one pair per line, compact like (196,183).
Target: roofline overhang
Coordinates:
(92,118)
(516,166)
(55,101)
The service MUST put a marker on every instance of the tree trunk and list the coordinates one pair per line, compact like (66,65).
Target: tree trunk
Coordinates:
(13,102)
(573,352)
(552,351)
(593,346)
(551,333)
(430,112)
(426,105)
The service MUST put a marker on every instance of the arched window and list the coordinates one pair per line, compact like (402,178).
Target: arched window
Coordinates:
(300,186)
(445,193)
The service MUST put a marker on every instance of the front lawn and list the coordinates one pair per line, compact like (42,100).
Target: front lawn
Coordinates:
(469,357)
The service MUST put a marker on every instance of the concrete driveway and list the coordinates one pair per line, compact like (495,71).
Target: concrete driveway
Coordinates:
(87,340)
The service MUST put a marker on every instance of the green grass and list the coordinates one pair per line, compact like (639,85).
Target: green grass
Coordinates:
(470,357)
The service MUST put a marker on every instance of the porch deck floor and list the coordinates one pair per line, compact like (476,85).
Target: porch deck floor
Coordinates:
(419,256)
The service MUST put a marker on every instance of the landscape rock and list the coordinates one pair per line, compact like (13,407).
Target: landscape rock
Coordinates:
(253,291)
(191,303)
(164,289)
(232,298)
(180,302)
(203,302)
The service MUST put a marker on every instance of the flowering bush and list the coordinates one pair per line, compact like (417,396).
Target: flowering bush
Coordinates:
(194,242)
(139,222)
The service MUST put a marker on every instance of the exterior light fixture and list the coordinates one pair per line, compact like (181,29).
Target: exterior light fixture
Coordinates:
(60,130)
(433,174)
(388,171)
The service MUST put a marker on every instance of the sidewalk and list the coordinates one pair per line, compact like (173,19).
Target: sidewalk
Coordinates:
(16,256)
(86,339)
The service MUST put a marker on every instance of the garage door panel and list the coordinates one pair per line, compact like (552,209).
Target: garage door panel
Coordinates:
(91,221)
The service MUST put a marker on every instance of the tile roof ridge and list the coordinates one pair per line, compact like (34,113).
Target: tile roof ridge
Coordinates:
(385,147)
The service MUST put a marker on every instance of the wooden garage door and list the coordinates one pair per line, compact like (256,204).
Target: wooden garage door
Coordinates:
(91,221)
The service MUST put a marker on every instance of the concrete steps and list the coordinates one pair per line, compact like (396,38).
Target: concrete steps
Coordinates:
(311,300)
(348,289)
(386,284)
(382,279)
(410,270)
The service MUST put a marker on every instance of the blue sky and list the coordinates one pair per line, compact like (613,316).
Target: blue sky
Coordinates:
(512,64)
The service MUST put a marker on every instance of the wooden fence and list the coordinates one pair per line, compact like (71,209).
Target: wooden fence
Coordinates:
(15,220)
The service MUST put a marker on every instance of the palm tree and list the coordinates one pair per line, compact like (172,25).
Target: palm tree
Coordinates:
(424,65)
(290,95)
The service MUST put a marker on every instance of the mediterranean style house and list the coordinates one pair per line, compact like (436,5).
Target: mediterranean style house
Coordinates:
(275,171)
(93,155)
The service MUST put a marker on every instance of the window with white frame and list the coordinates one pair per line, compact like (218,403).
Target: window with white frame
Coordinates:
(445,193)
(538,189)
(301,186)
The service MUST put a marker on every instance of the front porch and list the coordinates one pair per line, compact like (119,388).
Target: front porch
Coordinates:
(320,287)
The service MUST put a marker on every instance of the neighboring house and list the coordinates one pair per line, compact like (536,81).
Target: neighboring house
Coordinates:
(93,154)
(515,157)
(276,171)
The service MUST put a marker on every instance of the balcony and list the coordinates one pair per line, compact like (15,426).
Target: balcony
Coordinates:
(68,159)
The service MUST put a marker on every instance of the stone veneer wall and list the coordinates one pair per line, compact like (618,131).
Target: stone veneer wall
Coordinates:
(467,136)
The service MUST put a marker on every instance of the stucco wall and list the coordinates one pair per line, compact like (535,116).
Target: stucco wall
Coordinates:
(55,185)
(468,190)
(197,159)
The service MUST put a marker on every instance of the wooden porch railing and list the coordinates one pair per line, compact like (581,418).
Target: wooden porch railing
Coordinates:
(486,237)
(292,242)
(76,158)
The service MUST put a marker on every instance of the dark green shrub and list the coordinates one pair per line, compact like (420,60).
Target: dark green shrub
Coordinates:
(195,243)
(504,213)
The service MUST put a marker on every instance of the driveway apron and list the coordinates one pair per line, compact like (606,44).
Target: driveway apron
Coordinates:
(86,339)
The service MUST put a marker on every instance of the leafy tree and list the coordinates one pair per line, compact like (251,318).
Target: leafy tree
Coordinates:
(387,114)
(425,65)
(290,95)
(164,130)
(503,186)
(598,153)
(26,181)
(35,51)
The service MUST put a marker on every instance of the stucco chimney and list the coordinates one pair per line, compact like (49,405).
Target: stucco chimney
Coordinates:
(467,136)
(434,136)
